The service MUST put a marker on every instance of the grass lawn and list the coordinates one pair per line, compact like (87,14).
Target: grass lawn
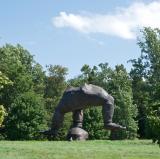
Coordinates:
(105,149)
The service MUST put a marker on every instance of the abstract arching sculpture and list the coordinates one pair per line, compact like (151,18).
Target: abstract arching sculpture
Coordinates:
(75,99)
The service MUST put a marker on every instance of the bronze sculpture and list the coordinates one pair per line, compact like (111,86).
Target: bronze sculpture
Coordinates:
(75,99)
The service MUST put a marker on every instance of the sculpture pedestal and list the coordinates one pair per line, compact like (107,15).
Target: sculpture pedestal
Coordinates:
(77,133)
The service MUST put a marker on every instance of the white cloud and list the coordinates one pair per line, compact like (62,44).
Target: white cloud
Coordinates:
(123,23)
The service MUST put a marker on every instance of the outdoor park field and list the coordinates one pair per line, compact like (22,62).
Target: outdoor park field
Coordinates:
(102,149)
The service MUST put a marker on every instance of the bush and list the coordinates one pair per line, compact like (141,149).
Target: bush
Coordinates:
(26,117)
(125,111)
(153,123)
(94,124)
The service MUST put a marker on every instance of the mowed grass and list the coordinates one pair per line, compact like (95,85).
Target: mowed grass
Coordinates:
(136,149)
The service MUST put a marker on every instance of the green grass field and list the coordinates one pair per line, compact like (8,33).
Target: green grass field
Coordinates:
(79,150)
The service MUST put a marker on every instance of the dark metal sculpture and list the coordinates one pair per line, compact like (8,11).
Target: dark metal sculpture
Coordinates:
(75,99)
(77,133)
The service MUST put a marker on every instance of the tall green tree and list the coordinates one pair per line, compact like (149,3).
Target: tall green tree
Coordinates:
(141,95)
(125,111)
(146,83)
(150,48)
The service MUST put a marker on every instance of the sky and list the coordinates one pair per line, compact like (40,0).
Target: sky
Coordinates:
(72,33)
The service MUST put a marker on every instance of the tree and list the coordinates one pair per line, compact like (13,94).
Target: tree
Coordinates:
(150,48)
(125,111)
(55,84)
(141,89)
(18,65)
(146,83)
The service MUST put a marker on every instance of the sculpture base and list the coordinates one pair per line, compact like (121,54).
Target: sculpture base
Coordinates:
(77,133)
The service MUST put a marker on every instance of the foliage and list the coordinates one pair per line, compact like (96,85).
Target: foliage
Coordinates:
(149,81)
(55,85)
(141,89)
(16,63)
(125,111)
(154,126)
(24,96)
(38,78)
(93,123)
(3,82)
(26,117)
(2,114)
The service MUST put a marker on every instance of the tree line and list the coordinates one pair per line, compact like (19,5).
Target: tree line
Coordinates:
(29,95)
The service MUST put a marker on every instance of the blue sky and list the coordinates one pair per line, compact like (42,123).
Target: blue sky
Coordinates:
(72,33)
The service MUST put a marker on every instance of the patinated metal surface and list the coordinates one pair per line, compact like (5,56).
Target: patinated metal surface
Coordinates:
(75,99)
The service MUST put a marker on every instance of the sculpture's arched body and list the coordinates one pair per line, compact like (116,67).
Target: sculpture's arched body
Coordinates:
(75,99)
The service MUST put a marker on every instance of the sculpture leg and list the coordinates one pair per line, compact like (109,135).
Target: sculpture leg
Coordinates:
(77,118)
(57,120)
(108,111)
(76,132)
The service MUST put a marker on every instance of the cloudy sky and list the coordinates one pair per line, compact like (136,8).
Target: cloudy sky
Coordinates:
(76,32)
